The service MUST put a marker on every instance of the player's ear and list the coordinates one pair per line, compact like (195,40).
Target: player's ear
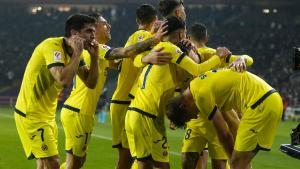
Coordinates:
(73,32)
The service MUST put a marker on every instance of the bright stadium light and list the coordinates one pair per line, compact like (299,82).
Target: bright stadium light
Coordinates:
(266,11)
(274,10)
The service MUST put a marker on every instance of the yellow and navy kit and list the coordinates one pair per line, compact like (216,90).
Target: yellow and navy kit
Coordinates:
(238,90)
(39,90)
(128,75)
(83,99)
(157,82)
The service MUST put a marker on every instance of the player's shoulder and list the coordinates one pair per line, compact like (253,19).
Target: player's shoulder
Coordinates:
(140,35)
(167,45)
(53,42)
(206,49)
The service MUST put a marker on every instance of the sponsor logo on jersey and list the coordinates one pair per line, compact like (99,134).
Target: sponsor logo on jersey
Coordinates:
(57,56)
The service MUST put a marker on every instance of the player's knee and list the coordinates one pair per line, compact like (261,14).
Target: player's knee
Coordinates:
(51,162)
(78,162)
(189,160)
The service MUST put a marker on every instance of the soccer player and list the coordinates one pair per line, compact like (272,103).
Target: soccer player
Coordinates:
(144,119)
(78,111)
(146,18)
(52,66)
(200,131)
(218,91)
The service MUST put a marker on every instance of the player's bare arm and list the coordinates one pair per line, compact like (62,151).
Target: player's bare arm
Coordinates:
(139,47)
(224,134)
(232,119)
(90,76)
(64,75)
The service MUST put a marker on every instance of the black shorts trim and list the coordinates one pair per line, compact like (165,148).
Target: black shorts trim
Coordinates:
(117,146)
(258,147)
(31,157)
(142,112)
(120,102)
(55,64)
(180,58)
(213,112)
(69,151)
(20,113)
(259,101)
(144,158)
(71,108)
(107,54)
(131,96)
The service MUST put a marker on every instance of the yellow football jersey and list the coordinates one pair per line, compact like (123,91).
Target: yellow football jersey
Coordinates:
(129,73)
(157,82)
(226,89)
(82,98)
(39,90)
(205,54)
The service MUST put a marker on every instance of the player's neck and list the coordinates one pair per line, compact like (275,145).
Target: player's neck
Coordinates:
(199,44)
(145,27)
(67,47)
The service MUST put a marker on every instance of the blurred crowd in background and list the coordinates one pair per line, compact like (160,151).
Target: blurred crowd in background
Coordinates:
(267,35)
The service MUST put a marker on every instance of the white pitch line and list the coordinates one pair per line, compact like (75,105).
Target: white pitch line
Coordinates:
(94,135)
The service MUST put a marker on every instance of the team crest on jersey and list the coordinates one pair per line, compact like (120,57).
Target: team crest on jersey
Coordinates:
(105,47)
(140,38)
(57,56)
(44,147)
(178,51)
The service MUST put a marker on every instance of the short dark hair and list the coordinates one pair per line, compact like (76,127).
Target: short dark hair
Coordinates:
(176,112)
(198,31)
(96,16)
(77,22)
(174,24)
(145,13)
(166,7)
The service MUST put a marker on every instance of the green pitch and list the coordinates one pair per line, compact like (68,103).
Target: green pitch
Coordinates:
(101,155)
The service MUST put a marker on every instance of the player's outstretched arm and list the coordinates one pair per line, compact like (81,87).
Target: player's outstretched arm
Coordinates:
(133,50)
(197,69)
(223,132)
(90,76)
(64,75)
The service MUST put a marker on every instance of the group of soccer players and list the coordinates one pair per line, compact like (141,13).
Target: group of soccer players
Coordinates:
(222,107)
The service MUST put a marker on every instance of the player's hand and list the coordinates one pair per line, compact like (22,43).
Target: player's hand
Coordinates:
(156,26)
(93,49)
(239,64)
(162,30)
(223,52)
(157,57)
(76,44)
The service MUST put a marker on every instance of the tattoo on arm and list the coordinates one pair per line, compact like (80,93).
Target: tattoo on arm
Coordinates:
(132,50)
